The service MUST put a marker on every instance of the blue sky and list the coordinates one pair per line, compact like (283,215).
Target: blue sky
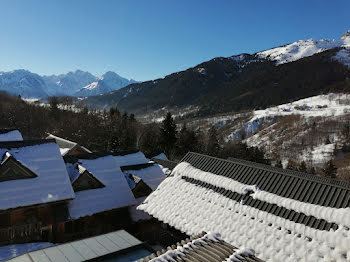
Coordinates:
(150,39)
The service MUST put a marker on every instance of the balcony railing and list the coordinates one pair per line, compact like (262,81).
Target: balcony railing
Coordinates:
(20,233)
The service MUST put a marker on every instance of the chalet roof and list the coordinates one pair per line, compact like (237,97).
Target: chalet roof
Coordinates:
(202,247)
(10,134)
(42,158)
(165,163)
(282,214)
(136,154)
(67,146)
(150,173)
(105,168)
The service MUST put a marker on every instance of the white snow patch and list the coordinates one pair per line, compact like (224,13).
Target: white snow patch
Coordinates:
(343,56)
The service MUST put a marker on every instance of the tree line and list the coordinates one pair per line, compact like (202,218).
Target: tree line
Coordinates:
(112,130)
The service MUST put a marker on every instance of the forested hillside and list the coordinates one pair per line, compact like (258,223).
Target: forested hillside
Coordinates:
(233,84)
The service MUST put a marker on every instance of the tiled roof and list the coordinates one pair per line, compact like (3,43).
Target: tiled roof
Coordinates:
(202,247)
(51,184)
(284,215)
(283,182)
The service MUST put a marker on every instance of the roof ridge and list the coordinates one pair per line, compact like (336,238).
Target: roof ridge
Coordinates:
(294,173)
(24,143)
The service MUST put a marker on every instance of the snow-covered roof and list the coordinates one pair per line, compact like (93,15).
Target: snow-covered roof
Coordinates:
(130,158)
(105,168)
(51,183)
(283,215)
(85,249)
(165,163)
(203,247)
(150,173)
(10,135)
(67,146)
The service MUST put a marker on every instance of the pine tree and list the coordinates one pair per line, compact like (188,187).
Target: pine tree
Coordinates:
(330,170)
(213,146)
(312,171)
(291,165)
(279,164)
(168,134)
(302,167)
(187,141)
(346,132)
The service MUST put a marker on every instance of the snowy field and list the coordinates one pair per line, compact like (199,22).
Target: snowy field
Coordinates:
(321,105)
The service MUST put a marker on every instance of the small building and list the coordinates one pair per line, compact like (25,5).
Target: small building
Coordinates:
(203,247)
(10,134)
(102,196)
(34,190)
(284,215)
(68,147)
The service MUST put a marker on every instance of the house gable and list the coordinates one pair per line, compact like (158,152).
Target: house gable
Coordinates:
(12,169)
(86,181)
(141,189)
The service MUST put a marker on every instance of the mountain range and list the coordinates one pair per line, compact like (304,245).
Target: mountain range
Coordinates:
(78,83)
(241,82)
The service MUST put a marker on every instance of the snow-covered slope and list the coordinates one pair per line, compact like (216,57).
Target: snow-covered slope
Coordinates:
(303,48)
(68,84)
(24,83)
(108,82)
(77,83)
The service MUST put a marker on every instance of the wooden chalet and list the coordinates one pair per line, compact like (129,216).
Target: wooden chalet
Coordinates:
(283,215)
(68,147)
(34,191)
(102,194)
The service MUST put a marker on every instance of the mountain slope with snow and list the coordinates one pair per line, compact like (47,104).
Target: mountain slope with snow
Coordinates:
(24,83)
(78,83)
(108,82)
(68,84)
(303,48)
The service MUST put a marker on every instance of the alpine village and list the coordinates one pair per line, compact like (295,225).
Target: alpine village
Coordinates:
(244,157)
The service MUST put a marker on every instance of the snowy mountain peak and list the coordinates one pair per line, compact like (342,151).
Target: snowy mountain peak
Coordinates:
(24,83)
(303,48)
(346,35)
(108,82)
(30,85)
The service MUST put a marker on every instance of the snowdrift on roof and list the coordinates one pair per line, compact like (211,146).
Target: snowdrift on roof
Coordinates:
(13,135)
(192,209)
(51,184)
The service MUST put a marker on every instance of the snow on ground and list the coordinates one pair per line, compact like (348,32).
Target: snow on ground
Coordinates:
(319,154)
(11,251)
(343,56)
(298,50)
(321,105)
